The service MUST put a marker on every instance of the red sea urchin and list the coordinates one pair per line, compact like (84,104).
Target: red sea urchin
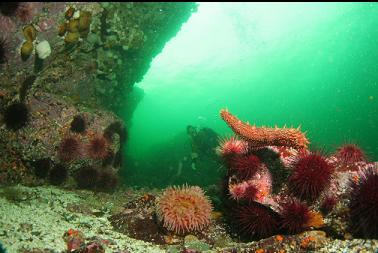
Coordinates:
(256,221)
(232,146)
(295,216)
(245,166)
(184,209)
(349,154)
(98,147)
(364,205)
(69,149)
(311,175)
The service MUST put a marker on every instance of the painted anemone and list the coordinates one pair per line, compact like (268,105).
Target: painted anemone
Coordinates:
(184,209)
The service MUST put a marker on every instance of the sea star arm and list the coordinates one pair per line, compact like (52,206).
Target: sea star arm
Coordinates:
(265,136)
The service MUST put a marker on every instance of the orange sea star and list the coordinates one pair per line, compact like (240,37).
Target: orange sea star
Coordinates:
(265,136)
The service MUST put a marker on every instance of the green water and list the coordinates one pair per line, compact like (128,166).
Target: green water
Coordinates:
(314,65)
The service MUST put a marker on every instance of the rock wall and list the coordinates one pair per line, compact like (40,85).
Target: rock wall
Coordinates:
(60,61)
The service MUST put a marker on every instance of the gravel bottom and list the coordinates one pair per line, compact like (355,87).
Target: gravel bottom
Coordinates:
(351,246)
(38,218)
(40,221)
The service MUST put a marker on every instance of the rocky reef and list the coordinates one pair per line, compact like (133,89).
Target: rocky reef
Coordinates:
(65,70)
(273,199)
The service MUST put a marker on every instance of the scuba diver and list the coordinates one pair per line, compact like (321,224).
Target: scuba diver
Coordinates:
(203,144)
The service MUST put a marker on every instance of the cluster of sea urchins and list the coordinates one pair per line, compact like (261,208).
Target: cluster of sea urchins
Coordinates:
(71,147)
(258,213)
(363,185)
(45,168)
(88,177)
(21,10)
(364,204)
(255,212)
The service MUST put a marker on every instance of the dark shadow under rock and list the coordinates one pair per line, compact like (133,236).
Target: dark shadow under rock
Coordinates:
(138,221)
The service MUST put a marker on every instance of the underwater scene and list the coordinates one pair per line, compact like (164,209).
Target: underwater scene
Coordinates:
(188,127)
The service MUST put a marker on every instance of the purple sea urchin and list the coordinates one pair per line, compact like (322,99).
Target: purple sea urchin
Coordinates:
(3,51)
(364,205)
(42,167)
(115,128)
(86,177)
(16,116)
(58,174)
(108,160)
(10,8)
(107,181)
(117,160)
(78,124)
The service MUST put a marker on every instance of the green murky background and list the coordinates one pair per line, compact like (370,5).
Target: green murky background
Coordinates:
(309,64)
